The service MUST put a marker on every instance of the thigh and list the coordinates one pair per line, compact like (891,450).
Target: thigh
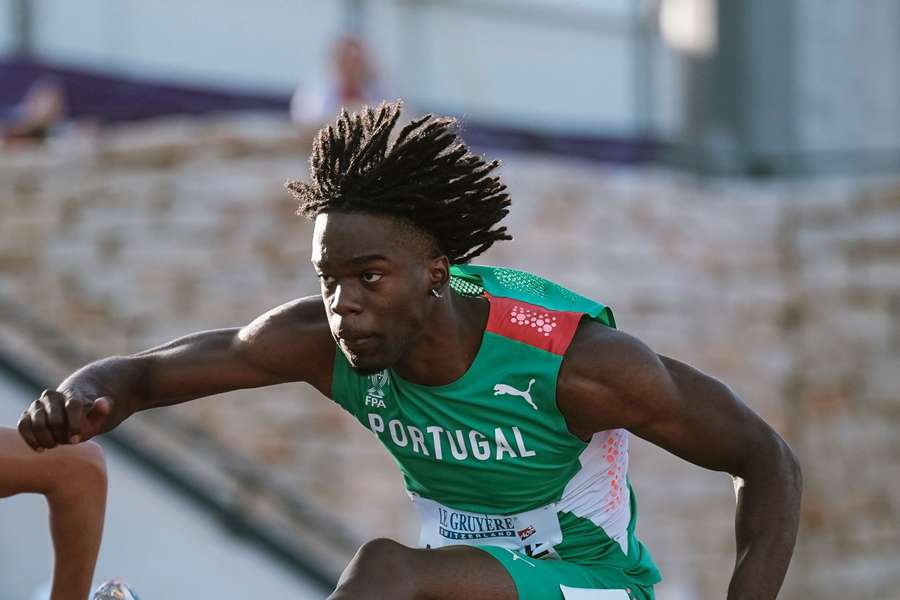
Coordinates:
(469,572)
(542,579)
(383,569)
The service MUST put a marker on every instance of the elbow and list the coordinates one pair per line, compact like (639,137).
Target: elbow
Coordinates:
(786,463)
(776,463)
(793,468)
(788,478)
(92,467)
(81,472)
(93,460)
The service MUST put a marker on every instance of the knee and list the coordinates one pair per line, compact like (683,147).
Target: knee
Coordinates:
(81,471)
(381,568)
(89,462)
(92,458)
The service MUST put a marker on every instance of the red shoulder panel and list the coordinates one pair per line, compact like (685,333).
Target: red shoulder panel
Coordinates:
(550,330)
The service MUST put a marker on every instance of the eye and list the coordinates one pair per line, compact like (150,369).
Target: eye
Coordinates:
(327,280)
(371,276)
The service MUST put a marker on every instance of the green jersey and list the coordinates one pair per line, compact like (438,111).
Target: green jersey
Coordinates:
(488,459)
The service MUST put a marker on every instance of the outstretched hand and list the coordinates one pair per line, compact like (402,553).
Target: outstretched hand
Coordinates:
(64,418)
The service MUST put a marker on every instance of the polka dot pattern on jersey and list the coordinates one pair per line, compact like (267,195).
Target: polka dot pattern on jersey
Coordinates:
(540,321)
(614,448)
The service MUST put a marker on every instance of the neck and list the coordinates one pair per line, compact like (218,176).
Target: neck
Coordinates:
(448,346)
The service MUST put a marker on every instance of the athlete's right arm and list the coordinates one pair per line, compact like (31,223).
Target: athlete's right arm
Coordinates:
(289,343)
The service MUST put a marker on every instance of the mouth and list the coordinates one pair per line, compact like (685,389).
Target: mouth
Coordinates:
(357,344)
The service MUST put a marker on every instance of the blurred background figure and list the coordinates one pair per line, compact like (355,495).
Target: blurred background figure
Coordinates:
(42,110)
(353,82)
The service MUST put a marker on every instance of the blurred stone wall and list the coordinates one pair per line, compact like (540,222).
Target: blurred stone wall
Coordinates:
(788,292)
(841,267)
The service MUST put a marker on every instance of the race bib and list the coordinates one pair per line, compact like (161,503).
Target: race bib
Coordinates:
(534,532)
(583,594)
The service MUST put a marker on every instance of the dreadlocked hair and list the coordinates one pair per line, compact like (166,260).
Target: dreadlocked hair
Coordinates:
(427,176)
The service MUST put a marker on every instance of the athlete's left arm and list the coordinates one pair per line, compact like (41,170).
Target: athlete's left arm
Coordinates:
(610,380)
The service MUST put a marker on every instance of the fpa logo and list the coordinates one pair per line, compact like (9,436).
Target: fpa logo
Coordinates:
(375,393)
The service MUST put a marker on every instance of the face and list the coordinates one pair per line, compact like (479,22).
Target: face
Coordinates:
(351,61)
(376,276)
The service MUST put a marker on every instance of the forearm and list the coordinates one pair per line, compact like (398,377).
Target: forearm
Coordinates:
(99,396)
(768,507)
(120,377)
(186,368)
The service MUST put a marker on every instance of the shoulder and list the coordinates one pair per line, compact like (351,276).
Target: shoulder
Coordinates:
(293,338)
(302,314)
(609,379)
(545,328)
(601,348)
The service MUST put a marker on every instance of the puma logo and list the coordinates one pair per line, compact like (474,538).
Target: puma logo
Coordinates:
(502,388)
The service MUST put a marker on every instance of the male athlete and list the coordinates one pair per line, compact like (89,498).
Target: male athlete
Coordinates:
(505,399)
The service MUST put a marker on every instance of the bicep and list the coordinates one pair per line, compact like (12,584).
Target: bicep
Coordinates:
(200,364)
(612,380)
(289,343)
(698,418)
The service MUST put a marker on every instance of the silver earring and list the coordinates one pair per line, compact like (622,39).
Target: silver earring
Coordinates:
(436,293)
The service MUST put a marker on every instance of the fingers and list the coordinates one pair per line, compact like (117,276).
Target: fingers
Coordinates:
(56,418)
(55,413)
(74,411)
(101,407)
(26,432)
(96,416)
(40,426)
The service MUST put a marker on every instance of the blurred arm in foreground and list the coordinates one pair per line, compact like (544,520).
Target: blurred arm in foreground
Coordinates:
(73,479)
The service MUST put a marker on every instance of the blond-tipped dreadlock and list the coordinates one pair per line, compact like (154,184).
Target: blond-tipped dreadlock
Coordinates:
(427,176)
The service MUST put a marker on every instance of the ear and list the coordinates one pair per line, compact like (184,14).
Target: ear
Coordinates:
(439,272)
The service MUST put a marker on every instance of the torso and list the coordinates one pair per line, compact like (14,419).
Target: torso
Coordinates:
(499,455)
(489,458)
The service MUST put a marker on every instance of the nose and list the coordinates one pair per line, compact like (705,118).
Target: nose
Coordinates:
(344,301)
